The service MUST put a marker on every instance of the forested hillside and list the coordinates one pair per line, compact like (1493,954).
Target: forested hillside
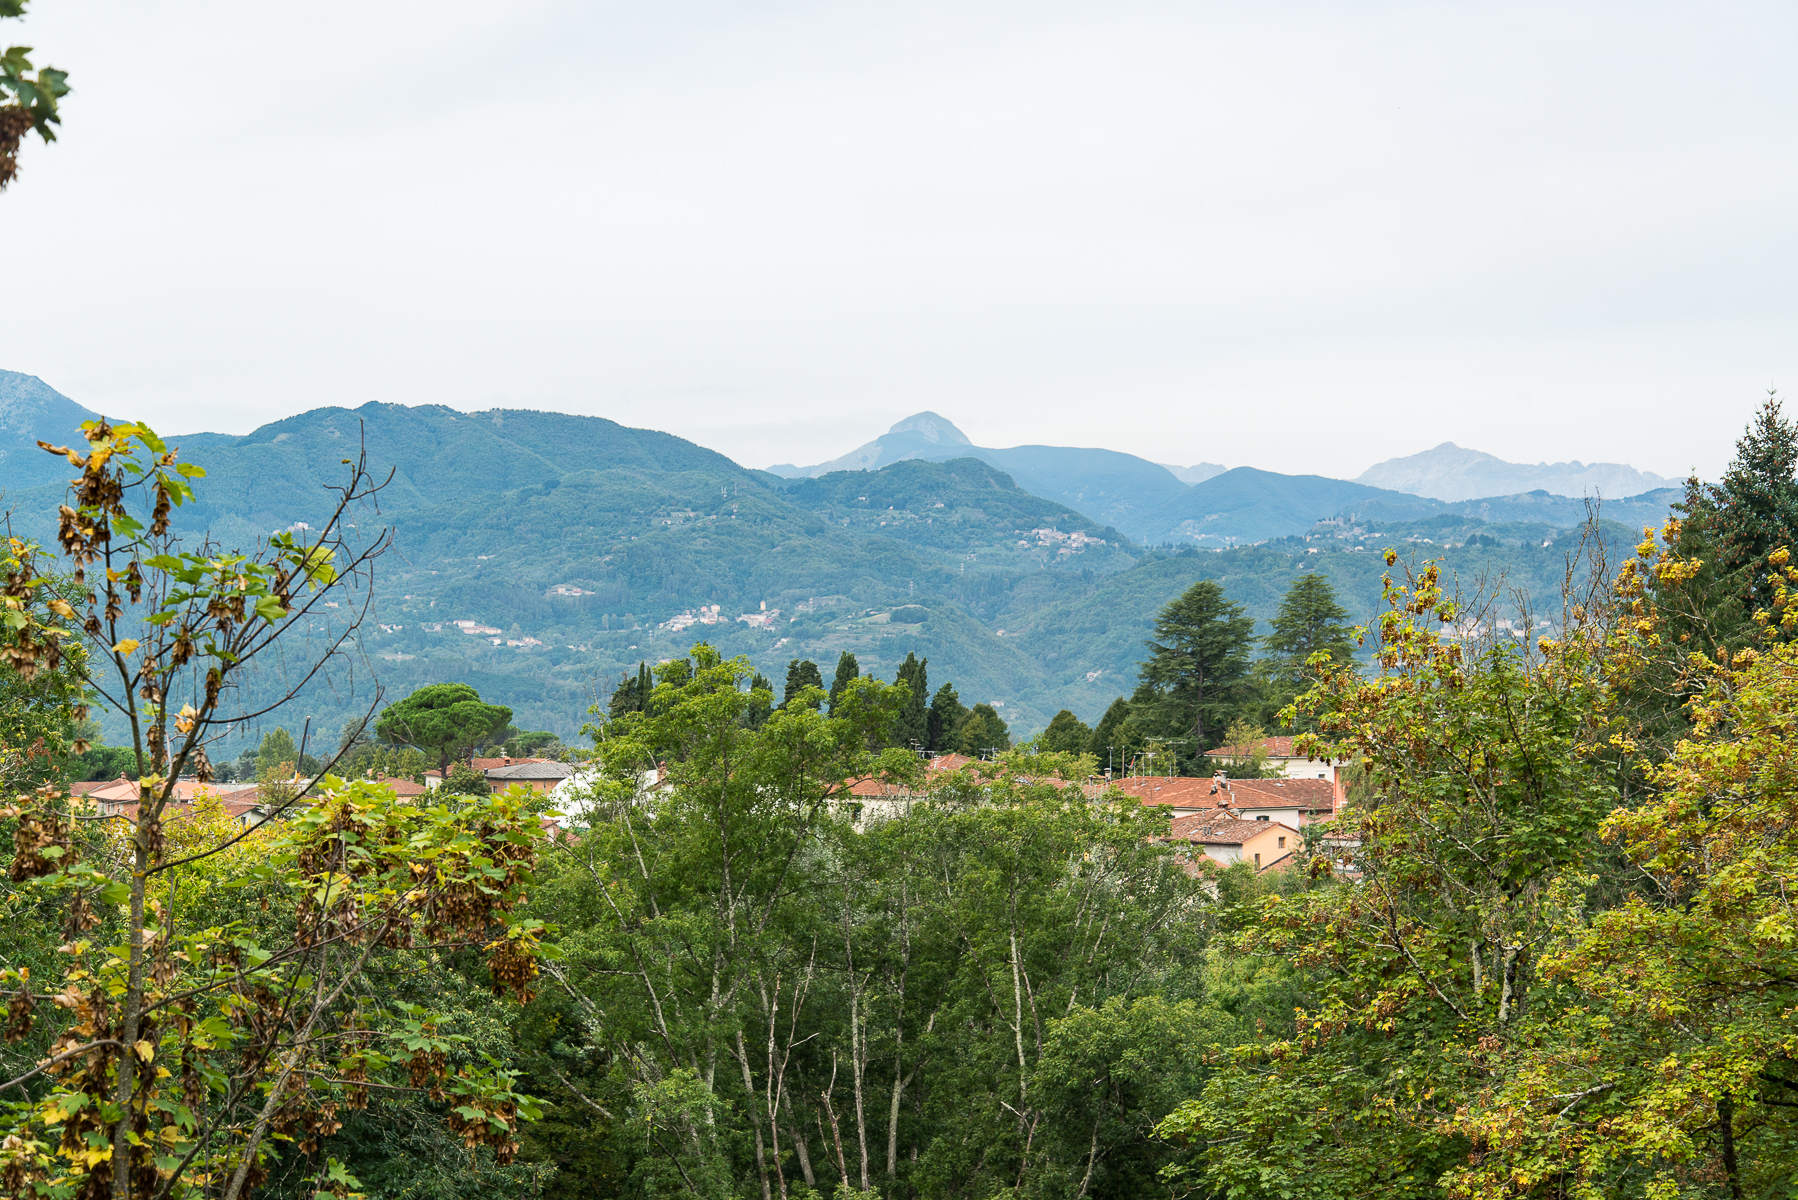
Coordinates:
(580,544)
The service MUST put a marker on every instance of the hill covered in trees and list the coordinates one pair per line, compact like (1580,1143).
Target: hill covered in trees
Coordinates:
(585,547)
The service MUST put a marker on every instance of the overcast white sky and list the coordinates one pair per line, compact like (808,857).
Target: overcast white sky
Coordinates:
(1301,236)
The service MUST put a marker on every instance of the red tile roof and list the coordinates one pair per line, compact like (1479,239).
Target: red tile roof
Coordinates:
(1220,829)
(1318,795)
(1178,791)
(122,789)
(1192,791)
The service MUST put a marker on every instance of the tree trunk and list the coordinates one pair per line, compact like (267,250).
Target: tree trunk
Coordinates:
(1017,998)
(132,1018)
(1726,1125)
(836,1129)
(797,1133)
(856,1068)
(761,1155)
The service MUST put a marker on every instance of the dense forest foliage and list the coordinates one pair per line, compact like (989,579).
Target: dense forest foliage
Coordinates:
(1549,949)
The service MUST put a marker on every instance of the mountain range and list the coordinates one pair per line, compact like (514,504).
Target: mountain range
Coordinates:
(1216,507)
(1451,473)
(569,548)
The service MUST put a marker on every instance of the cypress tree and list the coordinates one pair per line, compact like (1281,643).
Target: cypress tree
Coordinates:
(912,729)
(1110,742)
(632,693)
(801,674)
(847,672)
(761,701)
(945,720)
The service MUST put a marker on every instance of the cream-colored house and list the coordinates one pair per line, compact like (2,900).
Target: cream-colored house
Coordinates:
(1276,752)
(1227,839)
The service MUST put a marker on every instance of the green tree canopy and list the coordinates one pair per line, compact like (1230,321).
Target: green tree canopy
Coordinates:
(631,694)
(761,701)
(1110,742)
(464,780)
(276,752)
(1310,620)
(1753,510)
(445,719)
(848,671)
(1195,679)
(947,713)
(912,728)
(802,673)
(1066,734)
(984,730)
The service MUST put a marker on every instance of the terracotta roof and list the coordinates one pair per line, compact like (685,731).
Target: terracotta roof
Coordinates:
(1193,791)
(403,787)
(1179,791)
(1318,795)
(949,762)
(121,789)
(1220,829)
(236,808)
(491,764)
(1279,864)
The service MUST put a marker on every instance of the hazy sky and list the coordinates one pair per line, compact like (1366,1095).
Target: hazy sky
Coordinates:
(1301,236)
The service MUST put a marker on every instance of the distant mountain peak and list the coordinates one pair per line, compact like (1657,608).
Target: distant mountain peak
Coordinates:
(937,429)
(1197,473)
(30,409)
(1451,472)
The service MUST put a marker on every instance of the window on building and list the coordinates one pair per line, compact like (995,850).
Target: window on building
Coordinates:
(1282,843)
(1257,860)
(1261,818)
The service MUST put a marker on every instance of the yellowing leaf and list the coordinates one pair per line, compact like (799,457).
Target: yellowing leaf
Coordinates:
(125,646)
(145,1050)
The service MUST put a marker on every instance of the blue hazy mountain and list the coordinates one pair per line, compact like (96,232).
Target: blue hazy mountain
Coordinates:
(1107,486)
(1247,505)
(28,405)
(1450,472)
(921,435)
(1197,473)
